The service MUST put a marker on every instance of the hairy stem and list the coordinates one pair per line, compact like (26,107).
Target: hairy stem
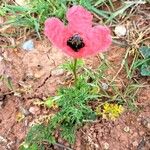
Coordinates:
(75,70)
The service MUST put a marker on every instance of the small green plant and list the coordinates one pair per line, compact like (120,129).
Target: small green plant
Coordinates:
(144,64)
(73,111)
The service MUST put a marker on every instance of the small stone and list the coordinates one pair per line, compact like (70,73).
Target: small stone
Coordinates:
(1,103)
(26,123)
(1,58)
(135,143)
(104,86)
(57,72)
(135,134)
(141,133)
(24,111)
(96,146)
(10,144)
(139,119)
(34,110)
(120,30)
(60,140)
(39,74)
(146,123)
(106,146)
(126,129)
(17,94)
(28,45)
(2,139)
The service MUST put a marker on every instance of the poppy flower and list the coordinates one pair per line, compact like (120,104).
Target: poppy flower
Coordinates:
(78,38)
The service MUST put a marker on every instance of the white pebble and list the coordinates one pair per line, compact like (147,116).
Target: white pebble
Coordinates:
(106,146)
(34,110)
(1,58)
(2,139)
(57,72)
(126,129)
(120,30)
(135,143)
(1,103)
(28,45)
(104,86)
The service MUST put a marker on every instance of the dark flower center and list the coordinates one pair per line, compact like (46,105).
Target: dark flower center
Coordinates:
(75,42)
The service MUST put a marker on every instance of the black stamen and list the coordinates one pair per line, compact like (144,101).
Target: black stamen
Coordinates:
(75,42)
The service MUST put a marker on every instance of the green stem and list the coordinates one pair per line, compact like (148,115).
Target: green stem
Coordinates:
(75,70)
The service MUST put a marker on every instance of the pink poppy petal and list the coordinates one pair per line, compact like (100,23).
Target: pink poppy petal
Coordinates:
(54,30)
(103,33)
(78,17)
(99,38)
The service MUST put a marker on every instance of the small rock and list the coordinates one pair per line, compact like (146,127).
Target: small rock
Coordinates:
(2,139)
(96,146)
(146,123)
(11,144)
(39,74)
(126,129)
(24,111)
(1,58)
(57,72)
(60,140)
(34,110)
(28,45)
(1,103)
(139,119)
(104,86)
(106,146)
(120,30)
(135,135)
(26,123)
(141,133)
(135,143)
(17,94)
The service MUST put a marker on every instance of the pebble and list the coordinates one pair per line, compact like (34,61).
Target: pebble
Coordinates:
(24,111)
(106,146)
(1,58)
(135,143)
(60,140)
(141,133)
(57,72)
(39,74)
(17,94)
(1,103)
(126,129)
(104,86)
(146,123)
(120,30)
(34,110)
(10,144)
(2,139)
(28,45)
